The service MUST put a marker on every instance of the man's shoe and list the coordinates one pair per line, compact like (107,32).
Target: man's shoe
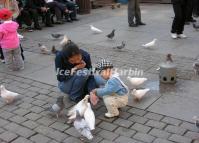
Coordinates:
(38,28)
(174,35)
(182,36)
(49,25)
(140,23)
(133,25)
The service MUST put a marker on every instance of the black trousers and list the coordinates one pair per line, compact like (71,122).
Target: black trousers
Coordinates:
(179,19)
(72,7)
(189,10)
(25,18)
(196,8)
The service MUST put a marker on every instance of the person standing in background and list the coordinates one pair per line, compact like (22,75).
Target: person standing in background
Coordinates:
(134,13)
(189,12)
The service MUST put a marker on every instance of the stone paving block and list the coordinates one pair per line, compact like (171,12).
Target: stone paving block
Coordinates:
(45,121)
(53,141)
(41,85)
(30,124)
(28,81)
(36,109)
(18,119)
(24,85)
(33,116)
(124,115)
(153,116)
(2,130)
(96,131)
(180,139)
(58,136)
(125,132)
(43,130)
(6,115)
(171,121)
(137,111)
(41,97)
(158,140)
(138,119)
(107,126)
(38,102)
(28,99)
(192,135)
(175,129)
(72,140)
(106,141)
(22,140)
(44,91)
(141,128)
(122,122)
(59,126)
(34,89)
(123,139)
(108,135)
(21,111)
(3,122)
(32,94)
(9,109)
(97,121)
(40,139)
(8,136)
(159,133)
(189,126)
(144,137)
(72,132)
(96,139)
(155,124)
(25,105)
(105,119)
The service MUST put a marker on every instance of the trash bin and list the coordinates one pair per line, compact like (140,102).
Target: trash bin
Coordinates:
(84,6)
(122,1)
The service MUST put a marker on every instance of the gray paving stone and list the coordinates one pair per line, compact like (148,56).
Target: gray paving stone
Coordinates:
(171,121)
(38,102)
(43,130)
(108,135)
(144,137)
(22,140)
(41,85)
(141,128)
(30,124)
(123,122)
(25,105)
(175,129)
(123,139)
(124,115)
(180,139)
(158,140)
(125,132)
(44,91)
(72,132)
(3,122)
(36,109)
(8,136)
(59,126)
(153,116)
(189,126)
(21,111)
(2,130)
(155,124)
(31,94)
(18,119)
(159,133)
(138,119)
(33,116)
(58,136)
(46,121)
(137,111)
(105,119)
(106,141)
(192,135)
(96,139)
(34,89)
(6,115)
(40,139)
(72,140)
(107,126)
(41,97)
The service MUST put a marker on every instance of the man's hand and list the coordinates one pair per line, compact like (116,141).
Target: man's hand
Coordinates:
(81,65)
(93,98)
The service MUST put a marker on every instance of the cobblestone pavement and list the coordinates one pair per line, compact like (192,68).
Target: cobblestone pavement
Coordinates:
(151,121)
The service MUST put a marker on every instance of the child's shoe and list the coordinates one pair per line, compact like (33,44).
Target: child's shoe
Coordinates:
(3,61)
(182,36)
(109,115)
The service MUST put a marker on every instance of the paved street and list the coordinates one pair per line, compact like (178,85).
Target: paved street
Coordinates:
(163,116)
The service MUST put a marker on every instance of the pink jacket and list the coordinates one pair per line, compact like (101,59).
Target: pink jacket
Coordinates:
(8,35)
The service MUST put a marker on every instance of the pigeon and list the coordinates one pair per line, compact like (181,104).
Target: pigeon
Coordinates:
(81,107)
(44,49)
(20,36)
(195,26)
(65,40)
(57,107)
(196,67)
(139,94)
(196,119)
(89,117)
(169,58)
(135,81)
(111,35)
(8,96)
(57,36)
(82,127)
(95,30)
(54,50)
(118,5)
(122,46)
(150,44)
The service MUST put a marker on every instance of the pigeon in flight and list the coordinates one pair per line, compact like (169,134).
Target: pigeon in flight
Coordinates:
(122,46)
(111,35)
(139,94)
(57,107)
(95,30)
(150,44)
(136,81)
(7,95)
(57,36)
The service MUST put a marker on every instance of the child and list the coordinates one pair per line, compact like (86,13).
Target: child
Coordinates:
(9,41)
(114,93)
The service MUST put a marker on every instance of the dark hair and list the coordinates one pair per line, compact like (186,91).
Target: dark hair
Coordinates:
(70,49)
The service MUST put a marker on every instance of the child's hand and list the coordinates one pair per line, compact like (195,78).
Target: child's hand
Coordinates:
(93,98)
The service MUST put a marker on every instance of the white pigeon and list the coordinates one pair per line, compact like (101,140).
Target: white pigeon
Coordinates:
(44,50)
(89,116)
(95,30)
(64,41)
(136,81)
(139,94)
(81,107)
(82,127)
(150,44)
(20,36)
(8,96)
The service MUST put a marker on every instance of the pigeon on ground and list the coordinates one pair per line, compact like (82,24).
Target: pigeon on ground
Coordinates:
(7,95)
(150,44)
(122,46)
(196,67)
(95,30)
(111,35)
(80,107)
(82,127)
(196,119)
(136,81)
(139,94)
(57,36)
(54,50)
(169,58)
(44,49)
(65,40)
(57,107)
(118,5)
(89,117)
(196,27)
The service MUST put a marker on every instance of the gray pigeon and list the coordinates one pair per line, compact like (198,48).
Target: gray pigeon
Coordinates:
(111,35)
(57,36)
(196,67)
(54,50)
(195,26)
(196,119)
(57,107)
(122,46)
(82,127)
